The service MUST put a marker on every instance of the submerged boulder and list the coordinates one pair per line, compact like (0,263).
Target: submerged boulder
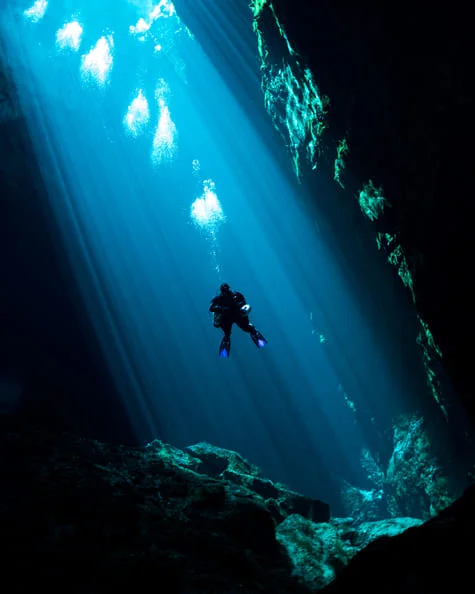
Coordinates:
(96,518)
(319,552)
(232,467)
(414,476)
(411,484)
(427,559)
(91,517)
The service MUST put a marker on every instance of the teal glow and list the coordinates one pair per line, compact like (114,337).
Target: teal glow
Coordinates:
(163,171)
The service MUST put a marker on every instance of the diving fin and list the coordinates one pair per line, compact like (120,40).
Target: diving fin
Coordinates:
(225,348)
(258,339)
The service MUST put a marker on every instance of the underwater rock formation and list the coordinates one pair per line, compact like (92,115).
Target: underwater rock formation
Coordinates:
(364,504)
(117,519)
(414,478)
(431,558)
(103,518)
(326,140)
(280,500)
(412,483)
(319,552)
(400,107)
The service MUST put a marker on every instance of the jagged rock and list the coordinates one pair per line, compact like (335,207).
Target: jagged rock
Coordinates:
(427,559)
(414,476)
(363,504)
(161,452)
(95,518)
(359,535)
(231,466)
(413,484)
(101,518)
(369,531)
(216,460)
(320,551)
(317,551)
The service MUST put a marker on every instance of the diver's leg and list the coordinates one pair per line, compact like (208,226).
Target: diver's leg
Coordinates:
(225,346)
(256,336)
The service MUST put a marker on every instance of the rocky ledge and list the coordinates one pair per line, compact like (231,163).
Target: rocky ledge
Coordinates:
(87,517)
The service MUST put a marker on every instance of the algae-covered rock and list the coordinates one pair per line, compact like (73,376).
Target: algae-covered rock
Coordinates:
(95,518)
(369,531)
(214,460)
(232,467)
(363,504)
(316,551)
(412,484)
(434,557)
(414,476)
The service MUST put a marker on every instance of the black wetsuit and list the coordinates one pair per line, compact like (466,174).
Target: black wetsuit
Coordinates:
(227,309)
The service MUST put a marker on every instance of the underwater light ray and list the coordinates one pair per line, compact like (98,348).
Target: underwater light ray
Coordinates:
(117,228)
(46,127)
(159,317)
(94,208)
(82,253)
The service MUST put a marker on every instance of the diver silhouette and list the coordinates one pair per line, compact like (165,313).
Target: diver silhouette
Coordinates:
(230,307)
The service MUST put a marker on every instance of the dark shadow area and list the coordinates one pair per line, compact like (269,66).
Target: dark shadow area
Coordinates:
(46,340)
(400,89)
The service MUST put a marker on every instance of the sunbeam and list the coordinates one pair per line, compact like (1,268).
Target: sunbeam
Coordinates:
(167,179)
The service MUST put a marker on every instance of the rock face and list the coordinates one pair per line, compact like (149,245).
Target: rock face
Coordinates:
(432,558)
(357,133)
(119,519)
(405,104)
(319,552)
(281,501)
(412,483)
(89,517)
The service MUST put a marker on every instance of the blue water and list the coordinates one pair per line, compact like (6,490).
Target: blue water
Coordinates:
(123,193)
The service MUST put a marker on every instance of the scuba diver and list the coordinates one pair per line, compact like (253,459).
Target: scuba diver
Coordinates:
(230,307)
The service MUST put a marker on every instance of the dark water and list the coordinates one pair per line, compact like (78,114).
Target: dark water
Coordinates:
(147,269)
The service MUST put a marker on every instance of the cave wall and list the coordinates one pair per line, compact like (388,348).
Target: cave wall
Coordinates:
(398,83)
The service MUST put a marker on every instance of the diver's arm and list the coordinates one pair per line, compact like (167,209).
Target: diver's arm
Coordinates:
(215,306)
(240,302)
(239,299)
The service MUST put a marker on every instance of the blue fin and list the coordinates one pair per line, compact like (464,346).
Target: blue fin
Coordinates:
(258,339)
